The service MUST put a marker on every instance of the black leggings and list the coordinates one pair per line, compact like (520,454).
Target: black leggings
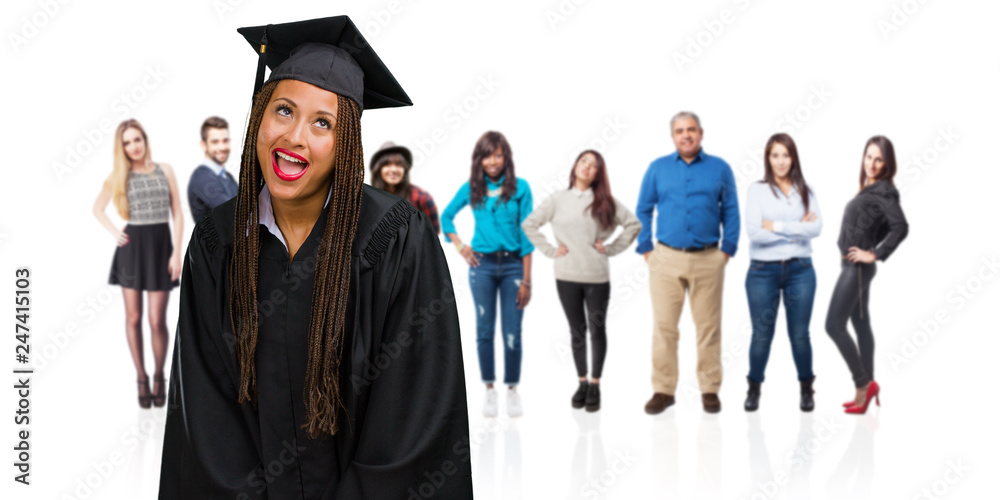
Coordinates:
(573,296)
(850,301)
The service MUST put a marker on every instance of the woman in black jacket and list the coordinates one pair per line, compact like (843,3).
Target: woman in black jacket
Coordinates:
(872,228)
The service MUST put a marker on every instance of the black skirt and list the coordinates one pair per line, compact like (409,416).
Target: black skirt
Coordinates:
(142,263)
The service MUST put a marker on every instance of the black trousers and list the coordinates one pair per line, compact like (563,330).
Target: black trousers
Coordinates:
(574,296)
(850,302)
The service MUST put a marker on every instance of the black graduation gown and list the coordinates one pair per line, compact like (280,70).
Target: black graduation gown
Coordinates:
(405,432)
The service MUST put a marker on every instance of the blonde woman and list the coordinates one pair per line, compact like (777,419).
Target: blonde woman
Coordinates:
(147,258)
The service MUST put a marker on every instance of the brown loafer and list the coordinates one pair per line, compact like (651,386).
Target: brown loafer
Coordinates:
(710,401)
(658,403)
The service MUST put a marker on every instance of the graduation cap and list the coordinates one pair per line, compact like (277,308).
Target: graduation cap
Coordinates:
(329,53)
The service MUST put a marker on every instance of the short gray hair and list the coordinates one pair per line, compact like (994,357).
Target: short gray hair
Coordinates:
(685,114)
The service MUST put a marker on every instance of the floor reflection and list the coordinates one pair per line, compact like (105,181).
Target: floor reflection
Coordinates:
(589,457)
(485,450)
(709,481)
(800,464)
(853,476)
(760,460)
(666,443)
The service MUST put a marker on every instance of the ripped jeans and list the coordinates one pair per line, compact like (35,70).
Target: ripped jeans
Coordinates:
(497,276)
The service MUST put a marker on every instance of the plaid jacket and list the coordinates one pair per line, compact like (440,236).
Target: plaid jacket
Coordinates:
(425,203)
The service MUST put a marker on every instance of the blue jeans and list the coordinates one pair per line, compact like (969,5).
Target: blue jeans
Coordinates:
(767,283)
(498,276)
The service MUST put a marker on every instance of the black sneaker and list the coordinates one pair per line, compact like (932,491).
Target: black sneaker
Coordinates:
(593,400)
(580,397)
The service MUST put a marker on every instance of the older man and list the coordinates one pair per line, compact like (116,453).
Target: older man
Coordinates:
(693,194)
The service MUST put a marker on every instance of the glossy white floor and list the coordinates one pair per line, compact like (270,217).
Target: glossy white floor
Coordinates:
(934,432)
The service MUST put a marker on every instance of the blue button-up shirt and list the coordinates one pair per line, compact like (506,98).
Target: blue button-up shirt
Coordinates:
(691,201)
(498,224)
(790,238)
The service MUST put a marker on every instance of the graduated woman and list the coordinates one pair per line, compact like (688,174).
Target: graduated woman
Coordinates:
(299,371)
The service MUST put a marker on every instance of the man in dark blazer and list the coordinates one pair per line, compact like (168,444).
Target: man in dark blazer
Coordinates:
(210,184)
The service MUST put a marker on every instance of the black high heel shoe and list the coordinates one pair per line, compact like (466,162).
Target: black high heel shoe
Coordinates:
(160,394)
(145,397)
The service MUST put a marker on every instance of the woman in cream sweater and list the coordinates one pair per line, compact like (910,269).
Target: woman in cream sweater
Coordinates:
(582,217)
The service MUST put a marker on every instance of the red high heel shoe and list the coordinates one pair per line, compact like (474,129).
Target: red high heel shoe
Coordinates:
(873,390)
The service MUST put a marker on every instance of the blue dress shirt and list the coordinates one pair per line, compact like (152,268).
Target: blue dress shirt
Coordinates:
(691,201)
(498,224)
(790,238)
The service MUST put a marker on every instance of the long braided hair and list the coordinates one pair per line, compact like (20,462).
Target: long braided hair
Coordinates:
(322,394)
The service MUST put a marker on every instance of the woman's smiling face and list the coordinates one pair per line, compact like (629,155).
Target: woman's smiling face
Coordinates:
(134,144)
(296,141)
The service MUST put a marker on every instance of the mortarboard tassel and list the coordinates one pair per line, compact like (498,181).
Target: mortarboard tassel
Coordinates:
(261,60)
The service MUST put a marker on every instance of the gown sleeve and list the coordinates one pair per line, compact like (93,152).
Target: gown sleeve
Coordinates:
(414,437)
(208,447)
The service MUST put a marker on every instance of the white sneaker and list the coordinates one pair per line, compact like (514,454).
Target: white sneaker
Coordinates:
(490,406)
(514,409)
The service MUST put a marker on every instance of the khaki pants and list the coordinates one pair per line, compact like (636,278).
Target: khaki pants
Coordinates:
(671,273)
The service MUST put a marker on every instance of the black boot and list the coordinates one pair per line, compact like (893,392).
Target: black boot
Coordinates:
(580,396)
(753,396)
(593,397)
(807,403)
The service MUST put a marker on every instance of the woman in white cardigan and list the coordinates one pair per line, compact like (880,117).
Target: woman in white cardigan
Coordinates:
(582,218)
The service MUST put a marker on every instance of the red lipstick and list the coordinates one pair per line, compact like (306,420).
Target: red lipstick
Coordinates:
(292,166)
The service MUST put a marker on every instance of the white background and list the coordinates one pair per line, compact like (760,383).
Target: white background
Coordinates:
(564,77)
